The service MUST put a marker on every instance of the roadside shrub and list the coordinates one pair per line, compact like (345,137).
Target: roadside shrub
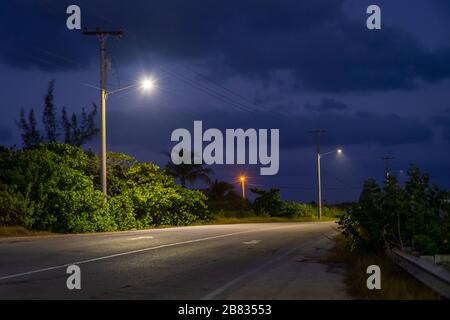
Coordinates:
(416,216)
(54,187)
(15,209)
(425,244)
(192,201)
(268,203)
(121,209)
(332,212)
(81,211)
(118,168)
(156,204)
(297,210)
(45,179)
(157,200)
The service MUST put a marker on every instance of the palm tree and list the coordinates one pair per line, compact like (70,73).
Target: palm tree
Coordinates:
(188,172)
(221,190)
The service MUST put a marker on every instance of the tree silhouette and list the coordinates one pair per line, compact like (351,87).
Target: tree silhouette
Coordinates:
(78,134)
(267,202)
(49,115)
(221,191)
(187,172)
(77,130)
(30,135)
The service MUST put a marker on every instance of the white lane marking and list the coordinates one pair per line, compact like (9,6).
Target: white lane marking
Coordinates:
(140,238)
(136,251)
(252,242)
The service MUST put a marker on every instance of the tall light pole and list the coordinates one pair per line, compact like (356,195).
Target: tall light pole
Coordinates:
(319,189)
(318,133)
(102,35)
(319,186)
(146,84)
(242,179)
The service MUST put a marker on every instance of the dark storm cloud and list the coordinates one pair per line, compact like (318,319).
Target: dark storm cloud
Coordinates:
(152,129)
(443,5)
(34,34)
(327,105)
(443,123)
(314,40)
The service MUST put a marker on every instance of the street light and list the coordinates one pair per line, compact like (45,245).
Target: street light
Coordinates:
(319,186)
(146,84)
(242,179)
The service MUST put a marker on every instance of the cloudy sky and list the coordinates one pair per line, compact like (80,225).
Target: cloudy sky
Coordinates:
(293,65)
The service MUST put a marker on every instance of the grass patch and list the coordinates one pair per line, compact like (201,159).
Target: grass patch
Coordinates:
(236,220)
(396,284)
(14,231)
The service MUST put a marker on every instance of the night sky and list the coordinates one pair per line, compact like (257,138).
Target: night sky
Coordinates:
(293,65)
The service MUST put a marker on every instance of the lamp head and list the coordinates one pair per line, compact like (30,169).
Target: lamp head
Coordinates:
(147,84)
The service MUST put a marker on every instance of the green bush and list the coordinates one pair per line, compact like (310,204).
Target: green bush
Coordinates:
(425,244)
(46,177)
(298,210)
(15,208)
(416,215)
(51,187)
(121,209)
(158,201)
(83,211)
(268,203)
(332,212)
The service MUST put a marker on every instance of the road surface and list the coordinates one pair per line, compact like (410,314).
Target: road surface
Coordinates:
(241,261)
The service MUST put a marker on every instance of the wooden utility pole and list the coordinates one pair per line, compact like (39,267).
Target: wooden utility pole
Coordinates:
(102,36)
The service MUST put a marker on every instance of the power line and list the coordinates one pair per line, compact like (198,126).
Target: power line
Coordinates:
(317,133)
(342,181)
(208,90)
(215,83)
(249,107)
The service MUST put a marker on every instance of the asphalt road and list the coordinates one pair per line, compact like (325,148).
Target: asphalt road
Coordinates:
(241,261)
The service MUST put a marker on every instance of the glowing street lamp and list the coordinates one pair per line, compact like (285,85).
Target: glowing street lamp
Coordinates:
(146,84)
(319,185)
(242,179)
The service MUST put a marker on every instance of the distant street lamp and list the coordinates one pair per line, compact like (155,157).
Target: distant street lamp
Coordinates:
(319,186)
(242,179)
(386,160)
